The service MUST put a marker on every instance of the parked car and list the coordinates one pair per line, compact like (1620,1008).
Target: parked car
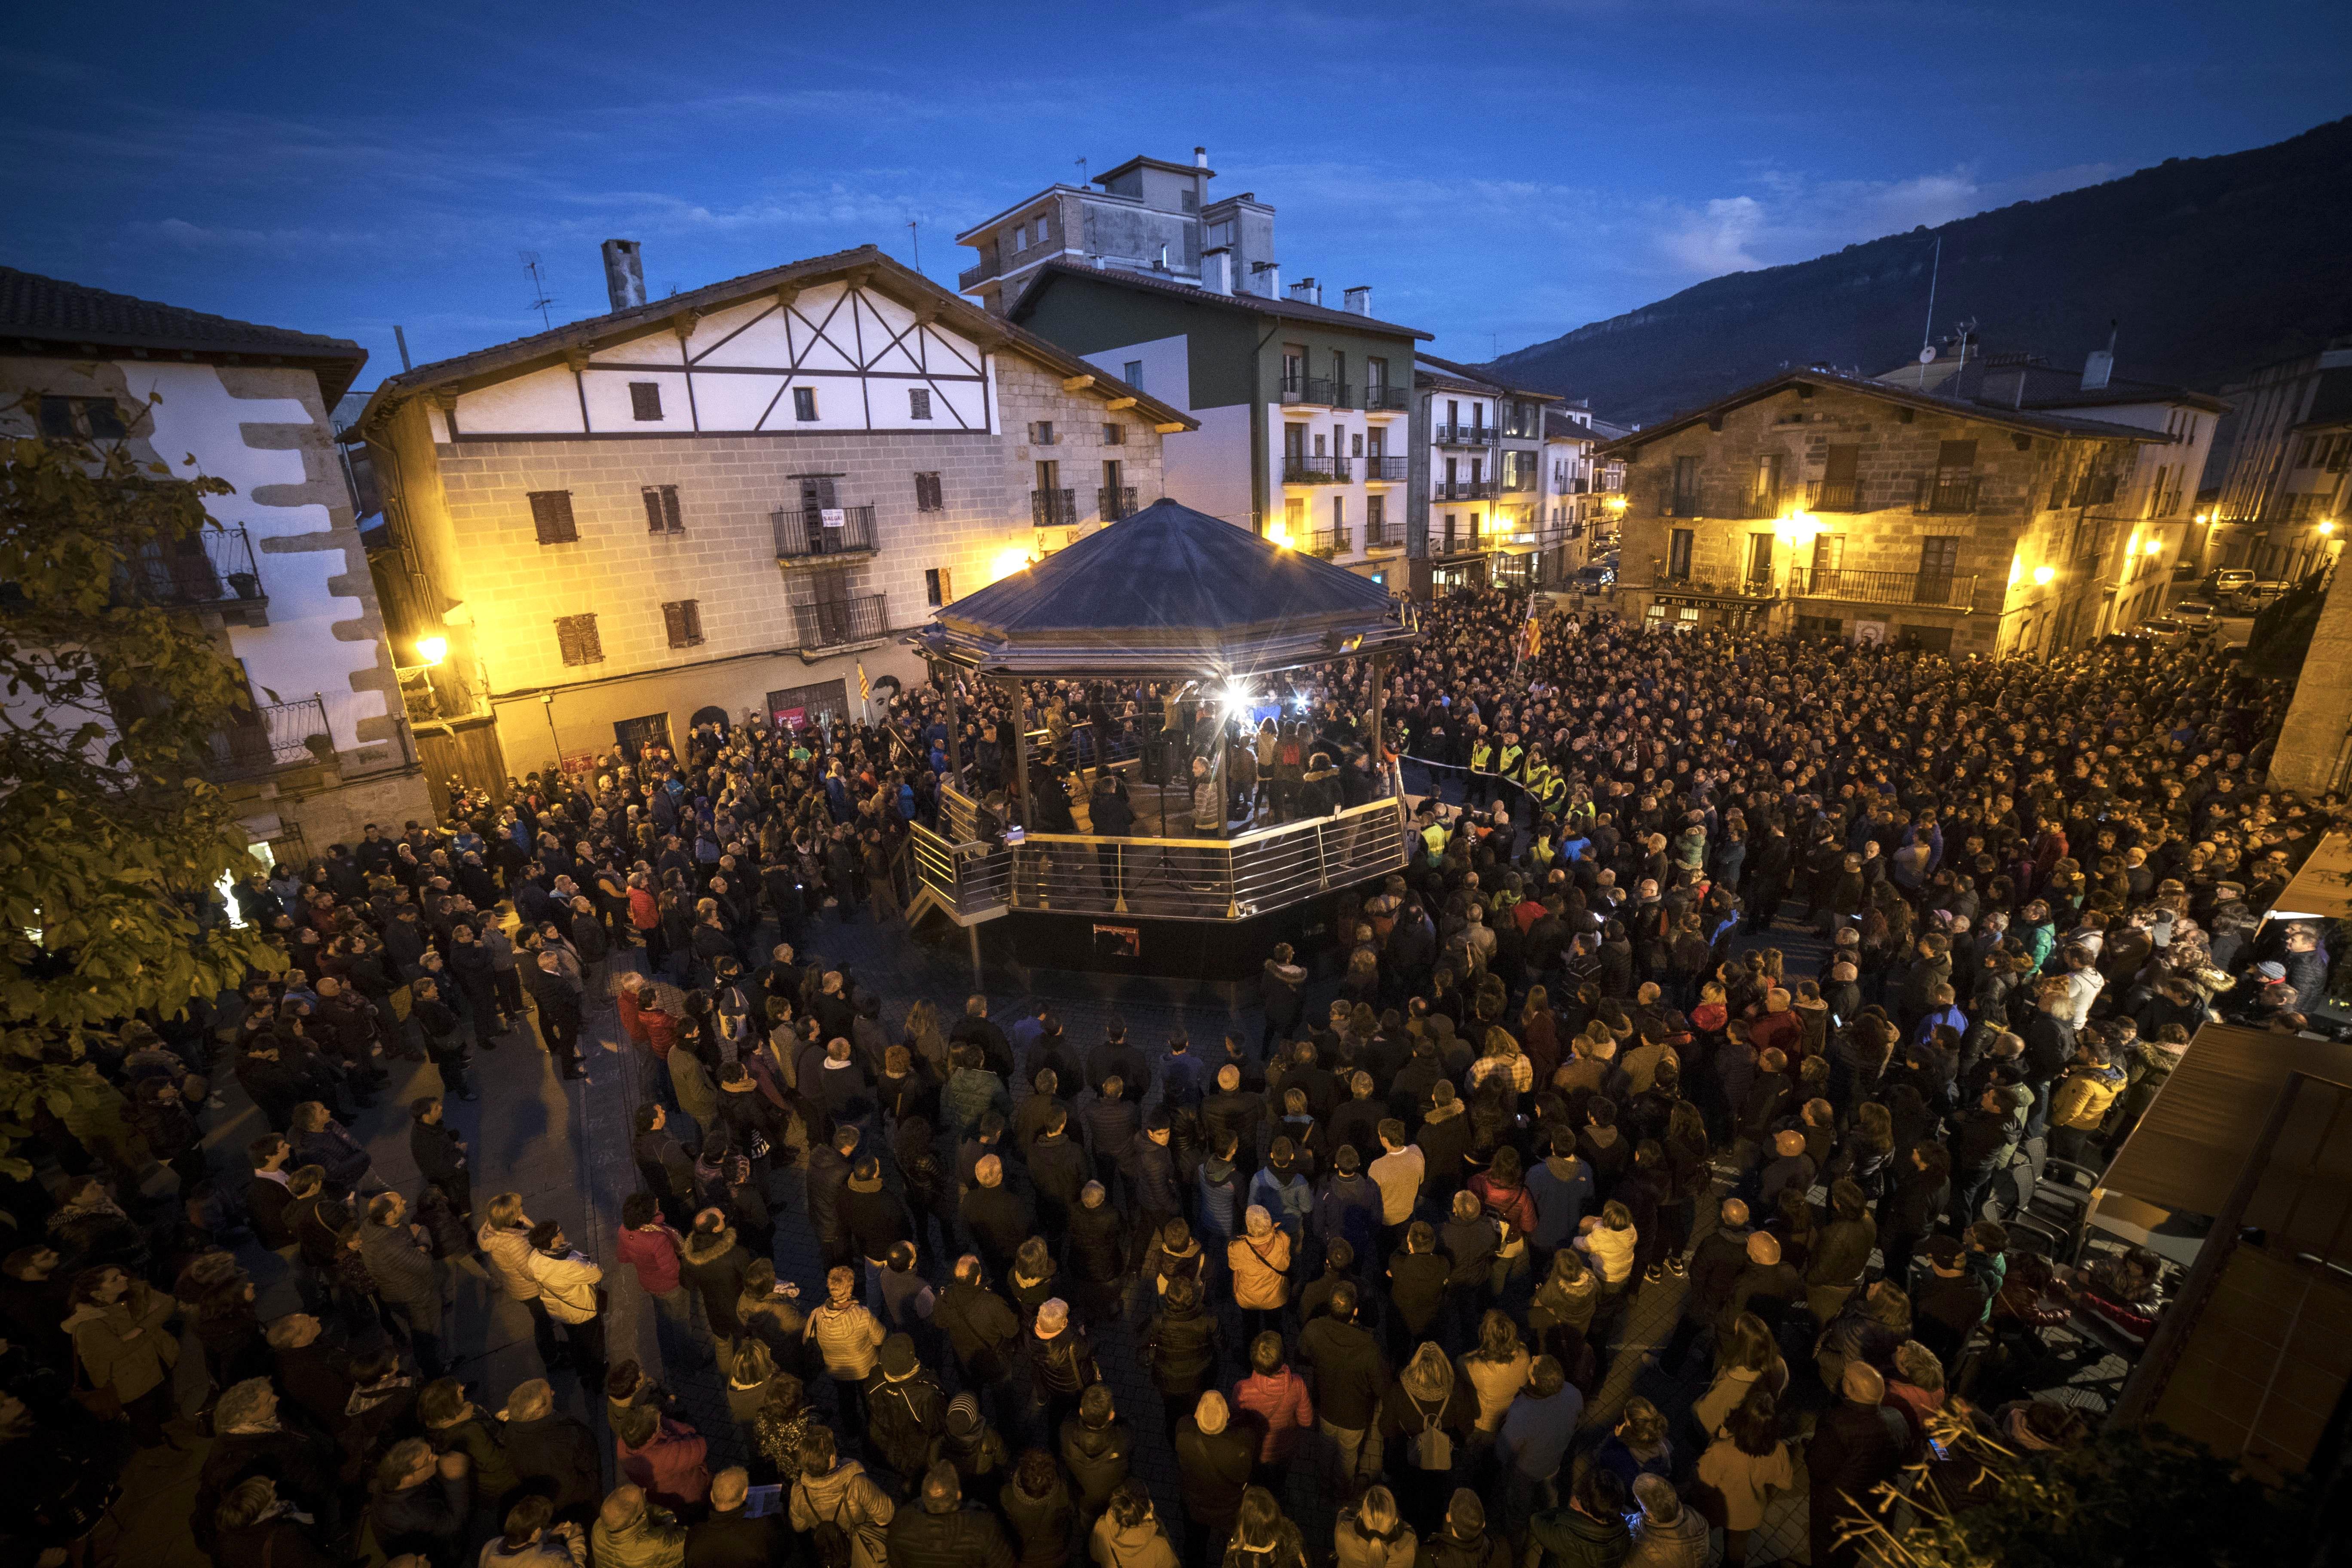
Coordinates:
(2126,641)
(2224,581)
(2201,618)
(1594,580)
(2256,597)
(2164,631)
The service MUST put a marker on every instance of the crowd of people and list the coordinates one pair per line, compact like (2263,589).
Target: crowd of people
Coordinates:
(1377,1247)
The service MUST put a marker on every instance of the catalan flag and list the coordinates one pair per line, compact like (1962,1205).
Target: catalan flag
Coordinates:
(865,691)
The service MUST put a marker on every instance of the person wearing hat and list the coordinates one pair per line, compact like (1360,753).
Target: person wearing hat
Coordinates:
(975,1448)
(1061,1365)
(905,1410)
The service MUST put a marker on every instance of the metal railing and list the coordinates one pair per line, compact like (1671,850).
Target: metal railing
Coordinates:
(1522,481)
(1384,536)
(212,566)
(832,623)
(1942,495)
(1113,503)
(1948,590)
(1678,503)
(278,735)
(1300,470)
(1328,542)
(1759,503)
(1464,435)
(1322,391)
(1054,509)
(1387,399)
(1381,468)
(804,532)
(1695,587)
(1171,879)
(986,269)
(1835,495)
(1462,490)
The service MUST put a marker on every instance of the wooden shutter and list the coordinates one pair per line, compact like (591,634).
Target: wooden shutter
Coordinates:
(645,399)
(661,509)
(550,517)
(674,623)
(1955,458)
(1844,463)
(576,639)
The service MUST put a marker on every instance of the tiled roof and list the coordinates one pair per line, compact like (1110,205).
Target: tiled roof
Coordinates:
(1471,377)
(1255,304)
(50,310)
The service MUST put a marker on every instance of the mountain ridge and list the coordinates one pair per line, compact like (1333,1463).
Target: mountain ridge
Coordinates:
(2210,265)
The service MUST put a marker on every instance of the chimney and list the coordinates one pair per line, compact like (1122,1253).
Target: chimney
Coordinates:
(2101,364)
(1200,157)
(1307,291)
(1266,278)
(1217,269)
(625,273)
(1359,300)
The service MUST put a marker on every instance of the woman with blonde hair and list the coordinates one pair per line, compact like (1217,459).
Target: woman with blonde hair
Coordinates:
(1427,1418)
(1371,1533)
(1497,1369)
(751,1379)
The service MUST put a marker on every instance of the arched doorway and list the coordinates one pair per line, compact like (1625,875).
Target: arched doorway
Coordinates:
(708,716)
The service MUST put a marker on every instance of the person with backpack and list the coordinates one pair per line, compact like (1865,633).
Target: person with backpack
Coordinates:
(1426,1417)
(2079,1104)
(905,1410)
(844,1515)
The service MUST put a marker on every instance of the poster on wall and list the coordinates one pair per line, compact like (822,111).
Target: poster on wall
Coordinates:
(1869,631)
(832,516)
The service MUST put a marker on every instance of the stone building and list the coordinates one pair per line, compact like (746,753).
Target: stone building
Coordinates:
(1835,506)
(2283,507)
(282,583)
(727,502)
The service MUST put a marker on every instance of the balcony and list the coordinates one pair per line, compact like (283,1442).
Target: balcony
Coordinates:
(1751,590)
(972,276)
(837,623)
(1110,504)
(806,533)
(1328,542)
(1833,495)
(1945,495)
(1462,490)
(1383,535)
(1387,399)
(210,569)
(274,738)
(1464,435)
(1320,391)
(1054,509)
(1520,481)
(1297,468)
(1382,469)
(1679,503)
(1937,590)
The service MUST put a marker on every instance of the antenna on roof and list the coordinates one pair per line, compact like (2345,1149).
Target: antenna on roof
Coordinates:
(1082,173)
(540,298)
(914,228)
(1928,332)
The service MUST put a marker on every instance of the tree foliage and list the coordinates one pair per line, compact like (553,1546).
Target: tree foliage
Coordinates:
(2122,1498)
(112,843)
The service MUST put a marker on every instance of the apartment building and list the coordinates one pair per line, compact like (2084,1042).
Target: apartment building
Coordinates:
(1147,216)
(282,583)
(1304,413)
(1479,478)
(2283,505)
(728,503)
(1835,505)
(1583,498)
(2153,503)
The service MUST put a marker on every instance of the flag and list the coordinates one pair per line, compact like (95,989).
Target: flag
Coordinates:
(1532,634)
(864,692)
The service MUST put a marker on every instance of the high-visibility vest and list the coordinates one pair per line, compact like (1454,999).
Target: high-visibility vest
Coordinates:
(1482,758)
(1511,755)
(1433,836)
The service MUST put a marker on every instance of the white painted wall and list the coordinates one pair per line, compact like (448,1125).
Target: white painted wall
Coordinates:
(298,653)
(1166,368)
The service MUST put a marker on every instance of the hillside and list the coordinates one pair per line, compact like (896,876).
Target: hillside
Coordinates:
(2212,266)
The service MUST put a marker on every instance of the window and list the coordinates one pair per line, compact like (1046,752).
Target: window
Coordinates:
(1339,517)
(1294,516)
(1376,375)
(1134,374)
(1019,237)
(1760,558)
(661,509)
(937,588)
(1376,507)
(1041,433)
(919,402)
(1114,435)
(645,399)
(927,493)
(684,619)
(1940,559)
(1111,474)
(103,418)
(1686,486)
(576,637)
(1678,555)
(1357,442)
(70,419)
(550,516)
(804,402)
(58,421)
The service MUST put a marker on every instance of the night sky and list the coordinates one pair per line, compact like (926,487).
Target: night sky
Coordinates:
(1497,173)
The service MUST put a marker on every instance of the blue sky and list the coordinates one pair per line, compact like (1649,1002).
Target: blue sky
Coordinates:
(1499,174)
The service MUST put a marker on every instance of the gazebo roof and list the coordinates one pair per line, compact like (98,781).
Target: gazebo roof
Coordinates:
(1169,591)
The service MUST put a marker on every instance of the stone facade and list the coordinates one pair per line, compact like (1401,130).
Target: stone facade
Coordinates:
(2310,754)
(1858,573)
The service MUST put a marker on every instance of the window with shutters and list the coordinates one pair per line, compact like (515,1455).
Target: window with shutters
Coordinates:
(1134,377)
(645,399)
(938,588)
(550,516)
(803,401)
(683,618)
(58,419)
(919,402)
(661,509)
(576,639)
(1041,433)
(927,493)
(1114,435)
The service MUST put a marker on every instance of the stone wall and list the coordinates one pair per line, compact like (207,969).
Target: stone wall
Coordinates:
(2312,740)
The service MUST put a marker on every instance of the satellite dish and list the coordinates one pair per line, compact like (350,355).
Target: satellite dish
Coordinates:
(1927,354)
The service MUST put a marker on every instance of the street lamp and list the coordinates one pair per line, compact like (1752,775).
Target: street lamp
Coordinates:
(2045,575)
(431,650)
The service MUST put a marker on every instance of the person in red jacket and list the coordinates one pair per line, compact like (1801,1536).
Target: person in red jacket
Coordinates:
(651,1247)
(663,1456)
(1779,1028)
(1278,1398)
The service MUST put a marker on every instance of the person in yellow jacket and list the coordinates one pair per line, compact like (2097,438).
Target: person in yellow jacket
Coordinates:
(2079,1104)
(1481,787)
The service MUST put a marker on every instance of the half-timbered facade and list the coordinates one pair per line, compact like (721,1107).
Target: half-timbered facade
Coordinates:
(728,501)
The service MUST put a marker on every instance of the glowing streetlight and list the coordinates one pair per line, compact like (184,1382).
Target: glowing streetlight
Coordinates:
(2045,575)
(431,650)
(2327,525)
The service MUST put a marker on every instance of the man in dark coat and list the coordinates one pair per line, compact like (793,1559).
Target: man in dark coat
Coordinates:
(728,1538)
(556,1457)
(440,1154)
(1213,1459)
(557,997)
(1857,1446)
(939,1531)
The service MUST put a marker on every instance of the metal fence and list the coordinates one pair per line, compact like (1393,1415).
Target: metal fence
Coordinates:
(279,736)
(831,623)
(821,531)
(213,566)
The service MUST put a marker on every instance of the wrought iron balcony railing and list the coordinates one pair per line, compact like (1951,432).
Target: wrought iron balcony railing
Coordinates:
(835,623)
(806,531)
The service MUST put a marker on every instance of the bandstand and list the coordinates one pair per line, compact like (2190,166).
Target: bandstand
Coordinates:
(1176,597)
